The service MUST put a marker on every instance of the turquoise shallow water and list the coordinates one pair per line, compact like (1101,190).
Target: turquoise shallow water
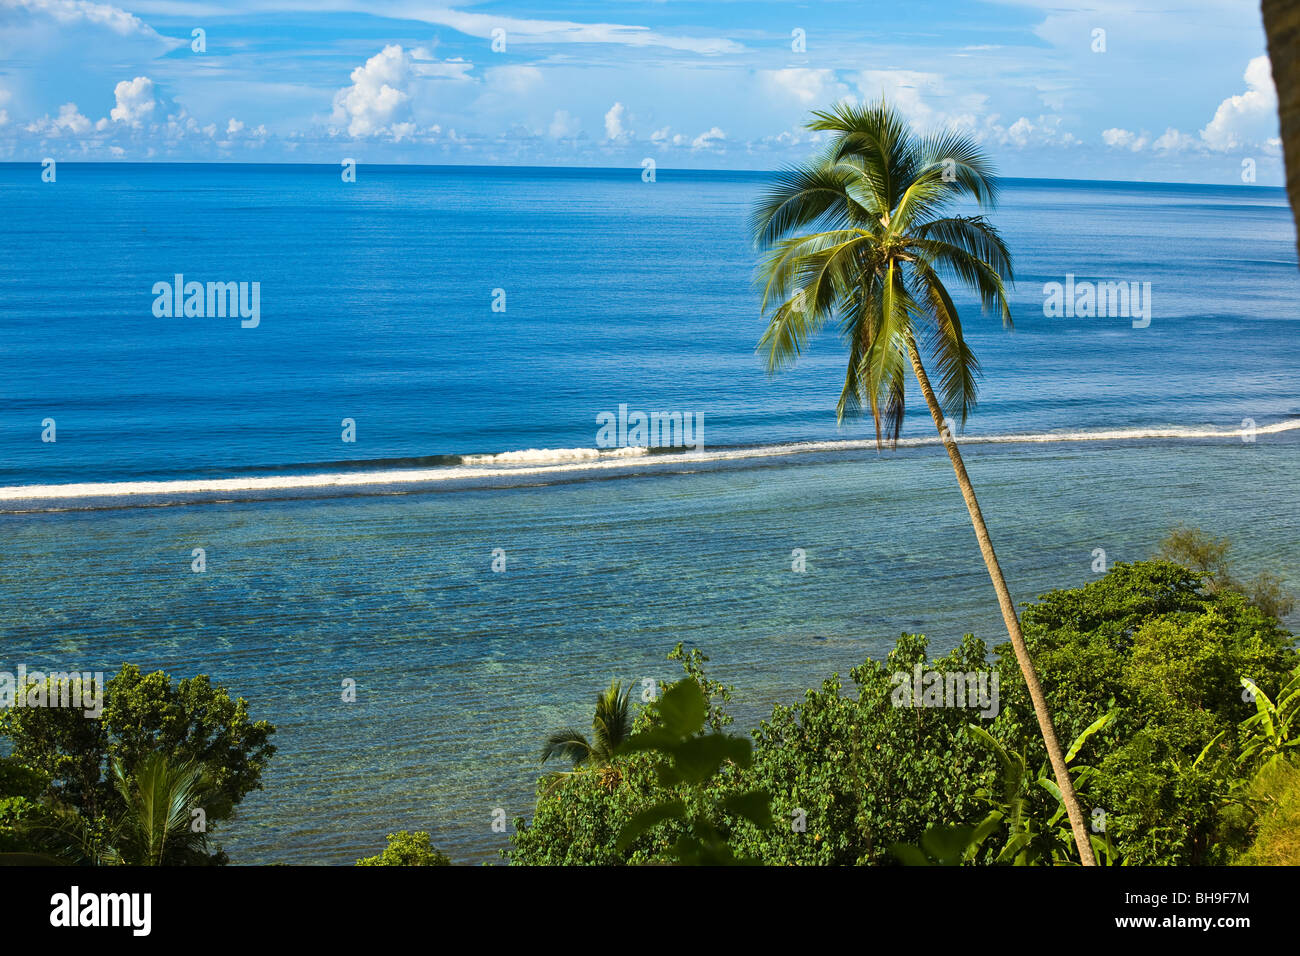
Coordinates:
(462,671)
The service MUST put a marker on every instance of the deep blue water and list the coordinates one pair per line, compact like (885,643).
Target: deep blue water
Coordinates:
(376,305)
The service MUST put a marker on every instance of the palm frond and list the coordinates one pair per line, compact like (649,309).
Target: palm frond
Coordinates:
(804,197)
(161,796)
(567,744)
(958,368)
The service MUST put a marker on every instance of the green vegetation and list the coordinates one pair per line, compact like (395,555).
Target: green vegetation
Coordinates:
(408,849)
(611,726)
(1276,793)
(143,784)
(688,761)
(1143,669)
(1208,556)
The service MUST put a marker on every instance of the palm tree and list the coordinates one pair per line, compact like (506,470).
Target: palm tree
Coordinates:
(611,725)
(862,234)
(161,798)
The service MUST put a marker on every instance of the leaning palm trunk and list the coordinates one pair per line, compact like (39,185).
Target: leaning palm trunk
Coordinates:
(1054,752)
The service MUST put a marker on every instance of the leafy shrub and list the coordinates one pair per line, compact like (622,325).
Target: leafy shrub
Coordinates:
(1149,639)
(408,849)
(1277,837)
(851,775)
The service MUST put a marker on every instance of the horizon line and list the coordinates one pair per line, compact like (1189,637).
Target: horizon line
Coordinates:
(672,169)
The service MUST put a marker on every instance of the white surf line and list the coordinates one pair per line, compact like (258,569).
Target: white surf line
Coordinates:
(629,459)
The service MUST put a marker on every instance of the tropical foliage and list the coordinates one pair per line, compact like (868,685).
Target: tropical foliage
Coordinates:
(124,787)
(408,849)
(611,726)
(1144,668)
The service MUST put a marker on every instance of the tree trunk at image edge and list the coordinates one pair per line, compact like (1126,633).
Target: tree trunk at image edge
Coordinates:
(1054,752)
(1282,24)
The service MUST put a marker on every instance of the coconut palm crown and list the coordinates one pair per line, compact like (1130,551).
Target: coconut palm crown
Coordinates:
(865,235)
(610,726)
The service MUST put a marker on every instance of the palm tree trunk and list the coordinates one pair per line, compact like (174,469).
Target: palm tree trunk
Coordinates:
(1054,752)
(1282,24)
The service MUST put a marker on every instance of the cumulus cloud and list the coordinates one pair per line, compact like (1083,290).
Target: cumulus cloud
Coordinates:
(1171,140)
(709,140)
(1124,139)
(1044,130)
(1245,120)
(615,131)
(666,137)
(135,101)
(924,98)
(377,93)
(72,12)
(69,120)
(1248,117)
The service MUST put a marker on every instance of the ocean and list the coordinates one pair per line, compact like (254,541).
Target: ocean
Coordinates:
(468,328)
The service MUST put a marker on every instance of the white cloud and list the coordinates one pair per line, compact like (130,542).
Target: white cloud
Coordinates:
(709,139)
(376,95)
(1124,139)
(233,127)
(564,125)
(615,131)
(515,80)
(456,68)
(1043,130)
(924,98)
(1020,131)
(71,12)
(1248,117)
(563,31)
(69,120)
(803,85)
(135,101)
(666,137)
(1171,140)
(1245,120)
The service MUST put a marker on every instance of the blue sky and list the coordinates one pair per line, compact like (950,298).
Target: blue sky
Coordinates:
(1178,91)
